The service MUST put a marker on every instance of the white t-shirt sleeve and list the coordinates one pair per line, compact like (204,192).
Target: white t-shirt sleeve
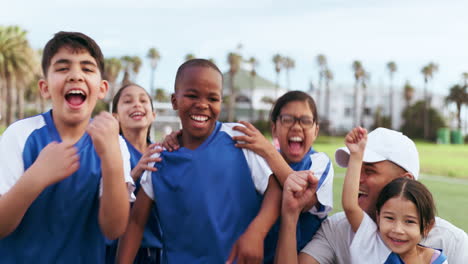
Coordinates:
(452,240)
(146,181)
(258,166)
(12,144)
(323,171)
(127,171)
(367,246)
(146,184)
(330,244)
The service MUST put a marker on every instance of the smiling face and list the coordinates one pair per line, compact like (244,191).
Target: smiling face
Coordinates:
(74,85)
(134,110)
(198,100)
(295,140)
(399,225)
(374,176)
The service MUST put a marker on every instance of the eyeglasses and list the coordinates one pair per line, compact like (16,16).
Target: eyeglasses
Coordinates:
(289,120)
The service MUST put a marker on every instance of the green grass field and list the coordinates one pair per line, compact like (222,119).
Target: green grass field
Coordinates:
(442,160)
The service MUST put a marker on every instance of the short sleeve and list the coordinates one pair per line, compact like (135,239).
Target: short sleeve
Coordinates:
(127,169)
(319,247)
(146,181)
(12,144)
(367,244)
(323,171)
(147,184)
(11,161)
(258,166)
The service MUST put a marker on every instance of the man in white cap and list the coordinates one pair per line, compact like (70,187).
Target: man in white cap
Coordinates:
(388,155)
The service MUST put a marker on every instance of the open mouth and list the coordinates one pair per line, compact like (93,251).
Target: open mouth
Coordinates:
(295,145)
(199,118)
(75,97)
(137,115)
(362,193)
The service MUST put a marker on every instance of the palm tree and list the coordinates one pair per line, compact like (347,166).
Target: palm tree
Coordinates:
(234,60)
(190,56)
(408,93)
(131,66)
(16,67)
(328,76)
(112,69)
(392,68)
(459,96)
(278,61)
(288,64)
(364,79)
(154,56)
(253,73)
(465,78)
(358,74)
(160,95)
(322,64)
(428,73)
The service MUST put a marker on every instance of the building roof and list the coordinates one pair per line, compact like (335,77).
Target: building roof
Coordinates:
(243,81)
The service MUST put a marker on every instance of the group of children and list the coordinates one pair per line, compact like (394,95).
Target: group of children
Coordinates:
(66,180)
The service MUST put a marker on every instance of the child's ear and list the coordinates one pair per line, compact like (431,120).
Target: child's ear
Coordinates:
(174,101)
(408,175)
(44,89)
(273,129)
(317,129)
(103,88)
(153,115)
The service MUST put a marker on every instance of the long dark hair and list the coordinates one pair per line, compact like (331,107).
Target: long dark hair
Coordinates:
(115,103)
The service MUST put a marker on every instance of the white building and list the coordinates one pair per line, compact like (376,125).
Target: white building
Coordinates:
(377,98)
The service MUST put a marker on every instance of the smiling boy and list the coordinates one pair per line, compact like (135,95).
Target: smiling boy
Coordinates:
(64,178)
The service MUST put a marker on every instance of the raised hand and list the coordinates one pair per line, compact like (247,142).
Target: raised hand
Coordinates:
(171,142)
(104,131)
(356,140)
(253,139)
(56,162)
(146,158)
(298,191)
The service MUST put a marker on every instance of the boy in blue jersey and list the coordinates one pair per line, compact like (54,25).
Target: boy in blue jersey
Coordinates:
(64,179)
(207,193)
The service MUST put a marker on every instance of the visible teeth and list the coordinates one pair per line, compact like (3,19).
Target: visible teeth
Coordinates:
(137,114)
(362,192)
(76,92)
(295,139)
(199,118)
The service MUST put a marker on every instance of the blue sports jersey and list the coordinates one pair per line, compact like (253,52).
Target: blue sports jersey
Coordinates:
(308,223)
(61,225)
(206,198)
(152,233)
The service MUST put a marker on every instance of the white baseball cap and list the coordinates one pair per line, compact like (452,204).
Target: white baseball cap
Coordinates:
(385,144)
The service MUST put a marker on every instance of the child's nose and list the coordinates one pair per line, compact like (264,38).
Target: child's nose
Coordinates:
(397,228)
(75,76)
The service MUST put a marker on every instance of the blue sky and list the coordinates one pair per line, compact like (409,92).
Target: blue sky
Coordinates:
(411,33)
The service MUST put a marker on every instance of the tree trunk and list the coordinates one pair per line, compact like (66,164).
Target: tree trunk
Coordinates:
(426,112)
(355,112)
(9,115)
(20,100)
(252,87)
(232,99)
